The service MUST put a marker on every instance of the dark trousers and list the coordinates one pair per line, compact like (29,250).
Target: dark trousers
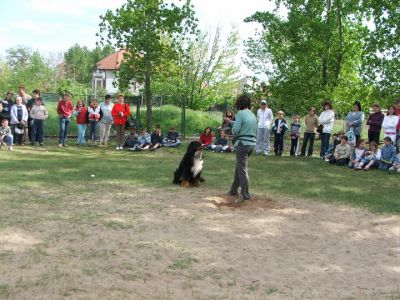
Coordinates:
(278,144)
(37,131)
(339,162)
(241,175)
(374,137)
(18,138)
(324,143)
(294,143)
(30,129)
(308,137)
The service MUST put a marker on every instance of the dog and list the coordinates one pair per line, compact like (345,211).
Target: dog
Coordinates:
(190,167)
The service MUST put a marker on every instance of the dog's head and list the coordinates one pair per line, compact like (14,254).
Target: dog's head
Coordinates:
(194,147)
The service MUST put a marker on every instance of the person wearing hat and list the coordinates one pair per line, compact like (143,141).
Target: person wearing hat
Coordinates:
(264,120)
(354,120)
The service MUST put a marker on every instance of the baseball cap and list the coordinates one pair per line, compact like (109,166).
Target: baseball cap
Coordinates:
(263,101)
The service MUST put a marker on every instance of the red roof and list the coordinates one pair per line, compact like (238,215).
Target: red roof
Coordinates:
(111,62)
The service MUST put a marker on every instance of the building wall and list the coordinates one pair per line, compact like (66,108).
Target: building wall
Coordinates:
(110,77)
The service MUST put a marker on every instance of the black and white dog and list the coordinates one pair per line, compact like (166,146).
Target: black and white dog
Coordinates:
(189,170)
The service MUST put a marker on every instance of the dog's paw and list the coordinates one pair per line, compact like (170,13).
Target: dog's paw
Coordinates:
(185,183)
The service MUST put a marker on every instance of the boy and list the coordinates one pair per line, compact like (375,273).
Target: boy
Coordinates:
(64,111)
(279,129)
(132,139)
(172,138)
(342,153)
(144,140)
(332,146)
(38,114)
(6,135)
(388,154)
(294,135)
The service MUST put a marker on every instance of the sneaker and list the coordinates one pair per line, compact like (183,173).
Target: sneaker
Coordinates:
(265,153)
(60,145)
(65,145)
(41,144)
(121,148)
(10,148)
(117,148)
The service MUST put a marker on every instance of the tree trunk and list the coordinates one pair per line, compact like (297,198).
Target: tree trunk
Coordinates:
(149,103)
(339,57)
(325,59)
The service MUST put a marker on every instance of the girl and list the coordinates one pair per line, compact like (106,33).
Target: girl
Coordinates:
(38,114)
(206,138)
(371,158)
(156,138)
(120,113)
(279,129)
(80,113)
(358,154)
(390,123)
(94,118)
(221,143)
(19,117)
(326,119)
(6,135)
(294,135)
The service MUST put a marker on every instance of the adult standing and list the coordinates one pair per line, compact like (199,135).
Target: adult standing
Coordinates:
(106,119)
(64,111)
(326,119)
(120,113)
(7,103)
(375,124)
(29,104)
(311,122)
(354,120)
(390,123)
(25,99)
(19,118)
(398,124)
(244,130)
(265,118)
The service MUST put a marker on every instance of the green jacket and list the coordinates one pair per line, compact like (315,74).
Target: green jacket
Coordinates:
(245,128)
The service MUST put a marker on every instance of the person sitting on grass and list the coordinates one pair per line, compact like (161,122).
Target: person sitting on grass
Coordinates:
(371,158)
(206,138)
(358,154)
(38,114)
(132,139)
(396,164)
(144,141)
(341,156)
(279,129)
(156,138)
(388,154)
(172,138)
(221,143)
(332,146)
(6,136)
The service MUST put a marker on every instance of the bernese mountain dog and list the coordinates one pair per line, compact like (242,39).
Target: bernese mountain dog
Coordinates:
(190,167)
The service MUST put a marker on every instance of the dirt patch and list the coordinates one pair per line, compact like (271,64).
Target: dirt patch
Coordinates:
(256,202)
(140,243)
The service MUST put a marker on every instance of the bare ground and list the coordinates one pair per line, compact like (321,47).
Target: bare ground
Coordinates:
(137,243)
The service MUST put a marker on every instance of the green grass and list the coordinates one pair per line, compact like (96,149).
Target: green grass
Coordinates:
(303,178)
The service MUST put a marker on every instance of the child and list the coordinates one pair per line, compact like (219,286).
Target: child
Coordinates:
(332,146)
(396,164)
(38,114)
(279,129)
(206,138)
(294,135)
(156,138)
(144,141)
(94,118)
(358,154)
(80,113)
(371,158)
(388,154)
(221,143)
(172,138)
(19,117)
(342,153)
(6,135)
(132,139)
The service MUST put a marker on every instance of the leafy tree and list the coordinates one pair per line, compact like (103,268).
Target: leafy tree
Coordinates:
(149,30)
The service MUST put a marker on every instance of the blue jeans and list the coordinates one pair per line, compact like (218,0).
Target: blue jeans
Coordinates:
(37,131)
(64,123)
(93,131)
(324,143)
(171,144)
(8,139)
(81,133)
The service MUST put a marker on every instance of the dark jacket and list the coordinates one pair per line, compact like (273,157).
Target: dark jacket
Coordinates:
(221,141)
(375,122)
(5,114)
(156,138)
(283,126)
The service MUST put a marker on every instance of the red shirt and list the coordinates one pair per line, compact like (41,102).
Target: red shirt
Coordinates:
(398,113)
(117,108)
(65,108)
(82,117)
(206,139)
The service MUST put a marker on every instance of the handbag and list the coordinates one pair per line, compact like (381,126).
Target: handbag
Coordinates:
(130,122)
(351,137)
(320,128)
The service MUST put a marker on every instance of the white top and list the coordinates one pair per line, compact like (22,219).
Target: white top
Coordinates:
(106,110)
(327,118)
(389,124)
(14,114)
(264,117)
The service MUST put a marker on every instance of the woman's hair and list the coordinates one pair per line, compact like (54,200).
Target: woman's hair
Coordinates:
(376,105)
(394,109)
(205,129)
(243,102)
(359,142)
(373,144)
(80,101)
(229,114)
(326,103)
(10,93)
(358,104)
(312,109)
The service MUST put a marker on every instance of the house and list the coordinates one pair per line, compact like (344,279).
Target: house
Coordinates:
(105,74)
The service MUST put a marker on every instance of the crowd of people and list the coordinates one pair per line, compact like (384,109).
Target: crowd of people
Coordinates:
(22,121)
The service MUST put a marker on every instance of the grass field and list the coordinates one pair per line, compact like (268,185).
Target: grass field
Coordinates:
(313,231)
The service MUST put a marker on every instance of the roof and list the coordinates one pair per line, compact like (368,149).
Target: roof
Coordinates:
(111,62)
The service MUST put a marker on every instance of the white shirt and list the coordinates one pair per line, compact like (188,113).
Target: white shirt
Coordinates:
(327,118)
(264,117)
(389,123)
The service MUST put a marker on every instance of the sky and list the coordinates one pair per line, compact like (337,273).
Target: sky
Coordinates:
(52,26)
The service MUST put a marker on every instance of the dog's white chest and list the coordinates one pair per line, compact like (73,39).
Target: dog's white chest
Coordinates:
(197,164)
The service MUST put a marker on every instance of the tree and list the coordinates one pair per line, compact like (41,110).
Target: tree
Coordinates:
(149,31)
